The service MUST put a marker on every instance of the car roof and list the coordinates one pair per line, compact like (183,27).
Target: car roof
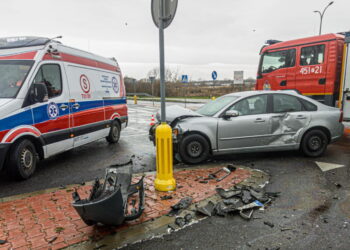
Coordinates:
(258,92)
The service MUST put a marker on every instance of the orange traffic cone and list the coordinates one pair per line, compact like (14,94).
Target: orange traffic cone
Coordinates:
(153,121)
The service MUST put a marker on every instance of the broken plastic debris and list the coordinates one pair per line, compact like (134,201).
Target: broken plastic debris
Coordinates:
(182,204)
(254,204)
(166,197)
(246,197)
(246,216)
(227,170)
(188,218)
(231,201)
(2,242)
(227,193)
(207,209)
(108,202)
(180,221)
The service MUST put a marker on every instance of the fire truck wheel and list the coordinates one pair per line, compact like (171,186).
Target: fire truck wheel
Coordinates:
(314,143)
(194,149)
(22,160)
(114,133)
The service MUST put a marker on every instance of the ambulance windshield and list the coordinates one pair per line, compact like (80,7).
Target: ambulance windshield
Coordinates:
(12,75)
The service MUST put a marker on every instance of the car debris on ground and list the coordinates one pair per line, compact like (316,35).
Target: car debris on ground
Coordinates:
(226,170)
(182,204)
(108,201)
(242,200)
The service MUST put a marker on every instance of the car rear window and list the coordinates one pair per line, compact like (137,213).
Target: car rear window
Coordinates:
(308,105)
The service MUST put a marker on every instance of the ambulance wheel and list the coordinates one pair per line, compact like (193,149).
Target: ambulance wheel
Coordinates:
(114,133)
(22,160)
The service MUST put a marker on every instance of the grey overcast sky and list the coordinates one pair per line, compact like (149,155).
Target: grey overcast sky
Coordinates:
(206,35)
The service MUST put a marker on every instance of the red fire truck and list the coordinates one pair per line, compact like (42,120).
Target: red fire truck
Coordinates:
(315,66)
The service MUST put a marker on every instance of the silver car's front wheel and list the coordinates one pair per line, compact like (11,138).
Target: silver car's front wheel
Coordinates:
(194,149)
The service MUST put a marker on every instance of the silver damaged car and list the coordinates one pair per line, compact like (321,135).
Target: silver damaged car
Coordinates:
(253,121)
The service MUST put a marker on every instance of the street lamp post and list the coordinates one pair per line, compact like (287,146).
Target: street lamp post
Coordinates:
(322,14)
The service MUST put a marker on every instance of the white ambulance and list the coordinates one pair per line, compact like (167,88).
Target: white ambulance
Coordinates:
(54,98)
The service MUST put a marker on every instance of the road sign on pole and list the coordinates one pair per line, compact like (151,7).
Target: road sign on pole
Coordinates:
(184,79)
(238,77)
(214,75)
(163,12)
(166,14)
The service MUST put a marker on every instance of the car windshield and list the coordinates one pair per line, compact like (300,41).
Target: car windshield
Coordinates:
(12,75)
(211,108)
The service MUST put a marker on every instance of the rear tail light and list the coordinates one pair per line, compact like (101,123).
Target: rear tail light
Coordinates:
(341,116)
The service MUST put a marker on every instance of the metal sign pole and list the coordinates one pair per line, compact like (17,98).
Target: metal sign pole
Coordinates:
(161,59)
(164,180)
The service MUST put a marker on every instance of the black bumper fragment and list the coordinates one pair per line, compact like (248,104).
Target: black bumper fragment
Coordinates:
(108,202)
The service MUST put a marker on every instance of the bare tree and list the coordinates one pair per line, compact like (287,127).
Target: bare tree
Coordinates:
(169,74)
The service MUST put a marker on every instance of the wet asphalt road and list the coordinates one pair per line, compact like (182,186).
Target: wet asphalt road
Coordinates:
(313,211)
(314,206)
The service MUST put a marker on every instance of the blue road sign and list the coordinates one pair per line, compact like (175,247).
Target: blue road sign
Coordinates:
(184,79)
(214,75)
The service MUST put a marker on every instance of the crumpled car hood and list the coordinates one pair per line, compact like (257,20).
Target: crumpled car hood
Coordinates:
(175,111)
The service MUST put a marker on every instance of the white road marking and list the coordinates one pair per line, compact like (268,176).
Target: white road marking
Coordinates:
(133,135)
(324,166)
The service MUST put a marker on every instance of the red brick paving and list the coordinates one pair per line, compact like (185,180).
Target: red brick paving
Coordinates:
(48,221)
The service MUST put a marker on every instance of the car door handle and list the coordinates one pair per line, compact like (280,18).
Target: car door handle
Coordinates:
(76,105)
(259,120)
(280,76)
(278,116)
(301,117)
(63,107)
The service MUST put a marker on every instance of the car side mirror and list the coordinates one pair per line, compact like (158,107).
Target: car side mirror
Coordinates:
(39,92)
(230,113)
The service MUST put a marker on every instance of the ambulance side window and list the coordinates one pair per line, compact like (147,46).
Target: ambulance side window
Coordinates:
(50,74)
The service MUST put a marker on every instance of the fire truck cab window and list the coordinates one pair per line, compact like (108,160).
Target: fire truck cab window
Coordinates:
(312,55)
(277,60)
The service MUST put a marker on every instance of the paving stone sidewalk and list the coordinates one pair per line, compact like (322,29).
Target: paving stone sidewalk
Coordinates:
(48,221)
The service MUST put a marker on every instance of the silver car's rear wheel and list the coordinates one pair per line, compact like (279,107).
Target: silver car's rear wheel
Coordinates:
(314,143)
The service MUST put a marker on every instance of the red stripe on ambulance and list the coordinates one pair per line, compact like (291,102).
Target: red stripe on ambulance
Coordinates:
(81,60)
(21,131)
(23,56)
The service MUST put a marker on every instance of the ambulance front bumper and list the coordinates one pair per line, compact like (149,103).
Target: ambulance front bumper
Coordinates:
(4,148)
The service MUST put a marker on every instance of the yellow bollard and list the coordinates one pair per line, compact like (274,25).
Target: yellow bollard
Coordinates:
(135,99)
(164,145)
(213,98)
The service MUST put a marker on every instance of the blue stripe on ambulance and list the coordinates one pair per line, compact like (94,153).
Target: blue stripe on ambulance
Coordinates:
(40,113)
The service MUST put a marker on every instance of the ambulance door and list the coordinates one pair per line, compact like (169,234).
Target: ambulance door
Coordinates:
(311,70)
(88,117)
(52,118)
